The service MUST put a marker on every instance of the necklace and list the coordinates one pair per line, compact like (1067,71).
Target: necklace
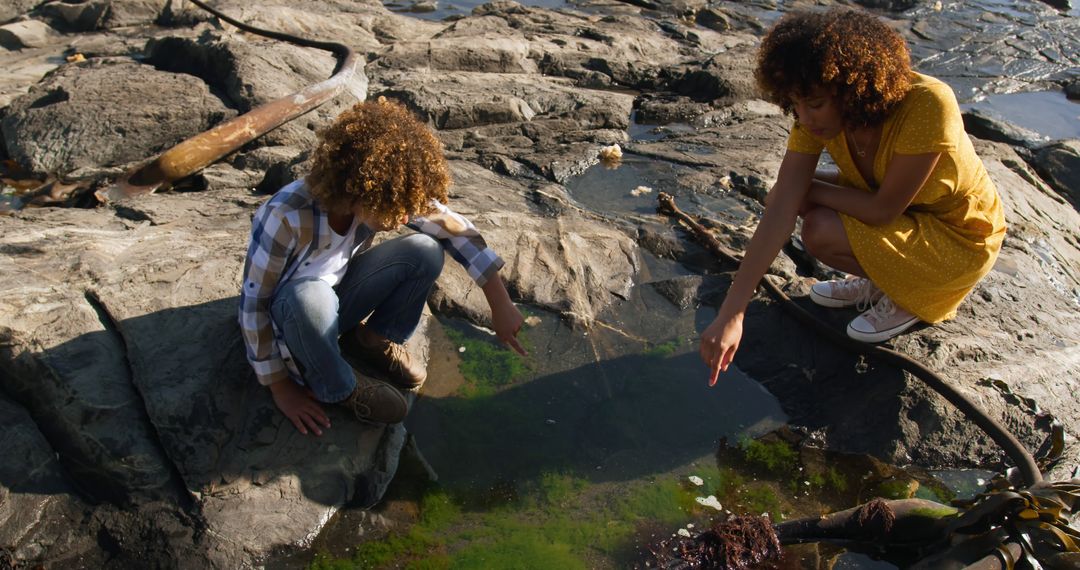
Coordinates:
(858,149)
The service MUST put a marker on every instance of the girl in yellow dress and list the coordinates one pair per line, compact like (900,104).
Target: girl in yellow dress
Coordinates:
(912,215)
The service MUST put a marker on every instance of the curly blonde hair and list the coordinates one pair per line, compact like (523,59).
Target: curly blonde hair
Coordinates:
(849,52)
(379,156)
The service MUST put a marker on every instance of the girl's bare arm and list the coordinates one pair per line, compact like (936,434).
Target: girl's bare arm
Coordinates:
(906,175)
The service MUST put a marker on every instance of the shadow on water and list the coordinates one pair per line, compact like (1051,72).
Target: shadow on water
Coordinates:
(617,419)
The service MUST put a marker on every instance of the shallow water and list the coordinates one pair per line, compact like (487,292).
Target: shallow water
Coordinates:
(581,454)
(1048,113)
(443,9)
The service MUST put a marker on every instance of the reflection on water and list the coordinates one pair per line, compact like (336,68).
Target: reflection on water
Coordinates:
(631,186)
(966,483)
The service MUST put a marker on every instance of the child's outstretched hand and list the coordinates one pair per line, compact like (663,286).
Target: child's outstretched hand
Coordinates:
(506,319)
(297,403)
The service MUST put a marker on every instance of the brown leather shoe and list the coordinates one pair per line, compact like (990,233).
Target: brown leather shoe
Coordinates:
(388,359)
(376,401)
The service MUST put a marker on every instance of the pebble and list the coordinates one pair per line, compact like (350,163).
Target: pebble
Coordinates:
(709,501)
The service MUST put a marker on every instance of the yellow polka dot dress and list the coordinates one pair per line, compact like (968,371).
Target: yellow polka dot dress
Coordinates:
(931,257)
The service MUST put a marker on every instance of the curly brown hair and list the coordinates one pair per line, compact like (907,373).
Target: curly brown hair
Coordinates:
(849,52)
(379,156)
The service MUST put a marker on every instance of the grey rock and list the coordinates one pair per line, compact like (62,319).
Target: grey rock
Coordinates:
(751,186)
(447,102)
(81,17)
(728,78)
(665,109)
(1059,165)
(571,265)
(32,489)
(681,291)
(12,9)
(61,125)
(62,361)
(253,72)
(890,5)
(106,14)
(981,124)
(356,24)
(26,34)
(24,68)
(728,18)
(1072,89)
(424,7)
(448,52)
(1026,55)
(661,241)
(629,51)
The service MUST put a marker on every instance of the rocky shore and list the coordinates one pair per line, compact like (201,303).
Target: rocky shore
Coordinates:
(133,428)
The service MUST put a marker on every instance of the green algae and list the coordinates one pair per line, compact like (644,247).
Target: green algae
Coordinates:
(831,480)
(561,519)
(555,521)
(663,350)
(665,501)
(935,512)
(485,366)
(896,488)
(836,480)
(776,457)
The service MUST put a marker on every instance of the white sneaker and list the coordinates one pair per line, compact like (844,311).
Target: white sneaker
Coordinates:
(881,322)
(856,292)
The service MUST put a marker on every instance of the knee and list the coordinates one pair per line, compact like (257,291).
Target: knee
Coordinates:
(312,300)
(428,253)
(815,231)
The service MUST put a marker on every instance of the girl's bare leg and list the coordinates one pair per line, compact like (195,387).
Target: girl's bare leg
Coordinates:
(824,237)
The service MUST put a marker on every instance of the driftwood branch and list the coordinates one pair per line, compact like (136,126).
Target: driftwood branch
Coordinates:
(204,149)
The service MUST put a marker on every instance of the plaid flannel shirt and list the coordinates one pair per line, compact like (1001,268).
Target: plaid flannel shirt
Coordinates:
(288,228)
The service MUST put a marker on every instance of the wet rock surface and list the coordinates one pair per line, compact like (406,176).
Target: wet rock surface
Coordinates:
(126,398)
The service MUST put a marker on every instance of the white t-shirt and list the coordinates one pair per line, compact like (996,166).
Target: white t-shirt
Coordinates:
(330,264)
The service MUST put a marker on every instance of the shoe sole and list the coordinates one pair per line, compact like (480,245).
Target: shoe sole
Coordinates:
(881,336)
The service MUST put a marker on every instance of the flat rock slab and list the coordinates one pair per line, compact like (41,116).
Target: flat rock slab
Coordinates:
(135,327)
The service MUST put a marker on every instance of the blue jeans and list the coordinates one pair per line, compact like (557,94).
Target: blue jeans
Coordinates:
(390,282)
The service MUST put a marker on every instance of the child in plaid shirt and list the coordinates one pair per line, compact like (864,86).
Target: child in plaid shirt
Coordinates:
(311,275)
